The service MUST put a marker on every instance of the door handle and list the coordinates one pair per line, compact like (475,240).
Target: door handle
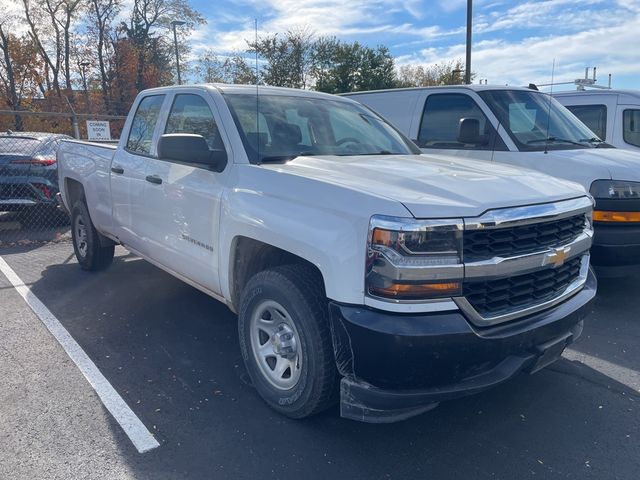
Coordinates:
(117,169)
(154,179)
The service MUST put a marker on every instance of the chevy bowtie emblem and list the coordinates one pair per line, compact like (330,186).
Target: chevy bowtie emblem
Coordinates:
(556,256)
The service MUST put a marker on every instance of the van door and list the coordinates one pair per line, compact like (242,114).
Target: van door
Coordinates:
(629,127)
(183,214)
(440,129)
(127,175)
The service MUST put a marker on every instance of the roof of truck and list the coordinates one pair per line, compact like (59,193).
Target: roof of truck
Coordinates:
(477,88)
(250,89)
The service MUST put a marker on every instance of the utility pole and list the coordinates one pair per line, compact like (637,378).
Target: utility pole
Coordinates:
(467,71)
(175,24)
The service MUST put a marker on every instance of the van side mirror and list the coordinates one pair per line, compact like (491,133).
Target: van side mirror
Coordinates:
(469,132)
(190,148)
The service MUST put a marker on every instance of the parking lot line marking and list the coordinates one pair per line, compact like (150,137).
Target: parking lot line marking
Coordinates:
(139,435)
(624,375)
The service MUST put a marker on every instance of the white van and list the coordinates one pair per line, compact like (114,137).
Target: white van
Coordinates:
(613,115)
(528,128)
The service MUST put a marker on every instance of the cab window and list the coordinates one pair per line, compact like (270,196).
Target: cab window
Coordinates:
(441,119)
(143,124)
(593,116)
(191,114)
(631,127)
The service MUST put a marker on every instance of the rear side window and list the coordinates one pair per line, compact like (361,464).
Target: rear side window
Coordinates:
(593,116)
(441,118)
(631,127)
(144,123)
(191,114)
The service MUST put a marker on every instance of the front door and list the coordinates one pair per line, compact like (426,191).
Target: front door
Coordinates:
(438,130)
(182,227)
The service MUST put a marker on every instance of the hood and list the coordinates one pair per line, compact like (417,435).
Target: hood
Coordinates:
(435,186)
(600,163)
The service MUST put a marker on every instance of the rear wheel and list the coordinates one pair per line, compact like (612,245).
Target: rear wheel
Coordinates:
(286,342)
(90,253)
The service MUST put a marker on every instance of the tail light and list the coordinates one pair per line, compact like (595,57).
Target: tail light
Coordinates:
(44,189)
(41,161)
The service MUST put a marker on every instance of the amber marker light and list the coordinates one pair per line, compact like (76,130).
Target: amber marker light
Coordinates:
(424,290)
(616,217)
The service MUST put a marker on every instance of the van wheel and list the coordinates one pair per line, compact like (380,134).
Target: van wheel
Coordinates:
(86,241)
(286,341)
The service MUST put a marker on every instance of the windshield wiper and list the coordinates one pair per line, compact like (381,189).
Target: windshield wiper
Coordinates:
(285,158)
(556,139)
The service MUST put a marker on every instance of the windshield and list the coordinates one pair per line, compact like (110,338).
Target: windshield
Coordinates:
(280,128)
(528,115)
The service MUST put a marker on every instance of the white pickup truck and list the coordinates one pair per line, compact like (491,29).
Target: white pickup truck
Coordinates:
(527,128)
(359,269)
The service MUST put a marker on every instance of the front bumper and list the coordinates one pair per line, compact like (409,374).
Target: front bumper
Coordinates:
(395,365)
(616,247)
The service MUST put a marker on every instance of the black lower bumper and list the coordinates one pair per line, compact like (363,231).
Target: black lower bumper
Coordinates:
(616,248)
(395,365)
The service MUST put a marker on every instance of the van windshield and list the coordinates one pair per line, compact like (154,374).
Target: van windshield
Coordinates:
(527,116)
(282,127)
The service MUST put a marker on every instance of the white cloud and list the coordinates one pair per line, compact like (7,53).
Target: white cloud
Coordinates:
(529,60)
(363,18)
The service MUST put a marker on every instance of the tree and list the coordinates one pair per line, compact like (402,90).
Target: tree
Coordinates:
(348,67)
(102,13)
(148,16)
(288,58)
(234,69)
(50,26)
(18,71)
(446,73)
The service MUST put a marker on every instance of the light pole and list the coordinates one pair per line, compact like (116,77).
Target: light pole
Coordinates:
(174,24)
(467,71)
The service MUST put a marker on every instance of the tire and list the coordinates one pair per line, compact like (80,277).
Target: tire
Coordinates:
(297,291)
(90,254)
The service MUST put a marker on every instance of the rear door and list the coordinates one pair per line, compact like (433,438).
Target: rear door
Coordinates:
(128,171)
(183,201)
(437,130)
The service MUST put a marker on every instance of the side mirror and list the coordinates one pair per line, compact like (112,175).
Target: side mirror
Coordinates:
(469,132)
(190,148)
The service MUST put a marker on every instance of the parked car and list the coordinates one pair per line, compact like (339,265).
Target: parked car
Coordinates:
(359,268)
(613,115)
(29,175)
(524,127)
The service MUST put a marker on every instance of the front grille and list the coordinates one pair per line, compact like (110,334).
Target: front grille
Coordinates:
(16,191)
(505,295)
(508,242)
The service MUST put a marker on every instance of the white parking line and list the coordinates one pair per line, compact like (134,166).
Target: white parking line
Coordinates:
(624,375)
(141,438)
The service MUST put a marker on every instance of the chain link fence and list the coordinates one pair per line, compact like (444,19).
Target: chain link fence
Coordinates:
(29,212)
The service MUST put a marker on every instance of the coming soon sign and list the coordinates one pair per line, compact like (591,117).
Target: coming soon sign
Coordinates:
(98,130)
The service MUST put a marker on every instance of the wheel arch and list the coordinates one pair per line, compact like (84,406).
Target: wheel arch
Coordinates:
(250,256)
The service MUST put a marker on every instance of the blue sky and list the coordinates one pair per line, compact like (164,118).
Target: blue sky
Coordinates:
(514,42)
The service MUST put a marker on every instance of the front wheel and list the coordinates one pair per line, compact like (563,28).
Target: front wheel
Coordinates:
(90,253)
(286,341)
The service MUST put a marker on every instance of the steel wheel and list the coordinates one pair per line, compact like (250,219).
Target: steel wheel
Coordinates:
(276,345)
(80,231)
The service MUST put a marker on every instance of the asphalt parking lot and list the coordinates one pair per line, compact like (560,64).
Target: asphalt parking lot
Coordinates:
(172,353)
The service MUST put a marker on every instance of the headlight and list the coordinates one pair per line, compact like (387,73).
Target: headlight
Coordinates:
(617,201)
(615,189)
(415,260)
